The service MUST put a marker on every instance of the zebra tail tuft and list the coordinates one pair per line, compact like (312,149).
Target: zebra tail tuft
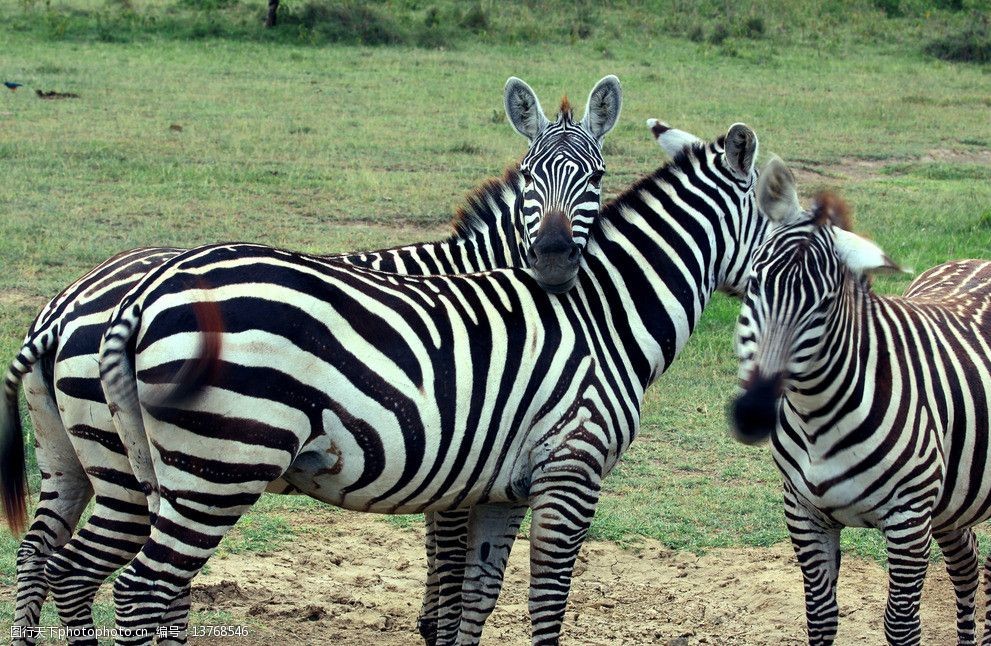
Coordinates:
(13,471)
(195,374)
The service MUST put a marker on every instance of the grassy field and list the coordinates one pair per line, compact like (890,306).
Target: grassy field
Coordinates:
(180,137)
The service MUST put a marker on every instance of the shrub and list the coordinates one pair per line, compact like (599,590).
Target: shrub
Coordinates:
(891,8)
(350,22)
(970,43)
(475,19)
(754,27)
(719,34)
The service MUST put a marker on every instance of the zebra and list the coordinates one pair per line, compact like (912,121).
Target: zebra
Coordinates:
(78,450)
(480,391)
(455,611)
(877,407)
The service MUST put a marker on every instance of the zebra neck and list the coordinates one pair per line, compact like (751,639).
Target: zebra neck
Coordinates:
(487,235)
(657,262)
(832,403)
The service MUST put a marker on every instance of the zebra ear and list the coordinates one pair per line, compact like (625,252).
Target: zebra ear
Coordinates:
(777,195)
(741,149)
(672,140)
(861,255)
(523,109)
(603,107)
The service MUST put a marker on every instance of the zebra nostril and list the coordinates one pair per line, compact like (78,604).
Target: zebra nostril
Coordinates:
(576,251)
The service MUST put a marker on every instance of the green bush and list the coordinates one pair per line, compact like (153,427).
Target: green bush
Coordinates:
(345,22)
(970,43)
(476,19)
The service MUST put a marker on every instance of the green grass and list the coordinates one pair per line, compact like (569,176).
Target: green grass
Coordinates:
(291,141)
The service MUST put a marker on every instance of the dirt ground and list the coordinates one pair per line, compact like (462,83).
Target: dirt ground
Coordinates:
(357,580)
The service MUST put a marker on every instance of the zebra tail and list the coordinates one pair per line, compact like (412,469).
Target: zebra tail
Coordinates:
(13,472)
(121,391)
(120,383)
(13,467)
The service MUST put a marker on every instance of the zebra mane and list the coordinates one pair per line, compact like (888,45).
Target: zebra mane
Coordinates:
(477,214)
(682,161)
(828,207)
(565,109)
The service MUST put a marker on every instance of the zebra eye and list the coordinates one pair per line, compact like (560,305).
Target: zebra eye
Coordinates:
(527,177)
(596,178)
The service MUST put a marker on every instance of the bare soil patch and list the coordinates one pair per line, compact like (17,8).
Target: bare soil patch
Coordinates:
(352,577)
(812,177)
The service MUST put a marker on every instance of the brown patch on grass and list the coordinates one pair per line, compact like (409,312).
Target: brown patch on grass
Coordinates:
(21,299)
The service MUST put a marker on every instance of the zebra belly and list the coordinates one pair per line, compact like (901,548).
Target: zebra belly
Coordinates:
(331,465)
(842,501)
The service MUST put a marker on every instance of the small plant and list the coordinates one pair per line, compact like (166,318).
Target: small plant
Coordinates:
(697,34)
(476,19)
(891,8)
(754,27)
(465,148)
(719,34)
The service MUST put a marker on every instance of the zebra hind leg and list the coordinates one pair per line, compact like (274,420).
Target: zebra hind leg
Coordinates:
(62,503)
(187,530)
(176,622)
(491,533)
(908,559)
(65,490)
(817,548)
(960,552)
(110,538)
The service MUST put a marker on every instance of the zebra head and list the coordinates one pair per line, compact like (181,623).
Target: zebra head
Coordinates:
(793,299)
(562,173)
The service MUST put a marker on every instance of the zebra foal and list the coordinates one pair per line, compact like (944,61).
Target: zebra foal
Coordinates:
(877,407)
(539,214)
(479,391)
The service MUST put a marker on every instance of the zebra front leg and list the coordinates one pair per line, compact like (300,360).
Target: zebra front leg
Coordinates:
(817,548)
(65,490)
(559,524)
(960,551)
(441,612)
(909,540)
(491,533)
(986,639)
(426,622)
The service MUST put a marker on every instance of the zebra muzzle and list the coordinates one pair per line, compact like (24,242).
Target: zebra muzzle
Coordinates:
(554,256)
(753,415)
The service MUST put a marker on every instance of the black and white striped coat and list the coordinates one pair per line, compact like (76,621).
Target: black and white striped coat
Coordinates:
(78,450)
(877,407)
(398,394)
